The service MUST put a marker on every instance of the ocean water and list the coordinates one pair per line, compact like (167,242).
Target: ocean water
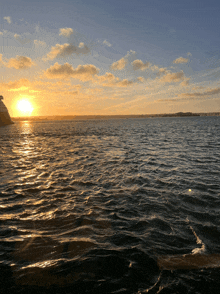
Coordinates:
(110,206)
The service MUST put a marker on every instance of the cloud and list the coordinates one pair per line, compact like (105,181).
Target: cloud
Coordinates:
(181,60)
(189,54)
(1,33)
(124,83)
(106,78)
(161,71)
(109,80)
(8,18)
(185,82)
(20,62)
(208,92)
(172,77)
(141,79)
(192,96)
(15,85)
(130,53)
(82,72)
(66,32)
(138,64)
(105,42)
(17,36)
(39,43)
(66,50)
(119,65)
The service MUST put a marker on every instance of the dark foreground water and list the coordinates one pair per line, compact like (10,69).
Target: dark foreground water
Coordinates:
(110,206)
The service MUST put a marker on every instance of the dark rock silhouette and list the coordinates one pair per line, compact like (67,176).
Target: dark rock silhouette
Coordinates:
(5,118)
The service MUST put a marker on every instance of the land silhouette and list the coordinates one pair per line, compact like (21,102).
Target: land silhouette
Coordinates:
(85,117)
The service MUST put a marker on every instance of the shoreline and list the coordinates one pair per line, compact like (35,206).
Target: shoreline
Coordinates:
(85,117)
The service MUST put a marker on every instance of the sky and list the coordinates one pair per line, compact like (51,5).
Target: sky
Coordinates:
(113,57)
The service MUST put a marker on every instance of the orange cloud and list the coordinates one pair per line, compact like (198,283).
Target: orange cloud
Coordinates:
(185,82)
(20,62)
(138,64)
(162,71)
(66,32)
(141,79)
(181,60)
(106,78)
(82,72)
(15,85)
(109,80)
(172,77)
(124,83)
(67,49)
(119,65)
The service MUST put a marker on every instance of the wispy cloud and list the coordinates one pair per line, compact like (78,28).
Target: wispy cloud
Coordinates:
(21,41)
(207,92)
(105,42)
(39,43)
(8,19)
(172,77)
(15,84)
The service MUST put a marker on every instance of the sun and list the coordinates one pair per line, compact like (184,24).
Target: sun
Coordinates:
(25,107)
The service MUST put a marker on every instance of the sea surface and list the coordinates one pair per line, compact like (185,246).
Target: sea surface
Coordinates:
(110,206)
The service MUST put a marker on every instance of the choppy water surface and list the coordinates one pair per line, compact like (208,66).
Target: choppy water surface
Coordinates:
(110,206)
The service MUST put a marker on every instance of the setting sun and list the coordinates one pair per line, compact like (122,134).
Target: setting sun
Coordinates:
(25,107)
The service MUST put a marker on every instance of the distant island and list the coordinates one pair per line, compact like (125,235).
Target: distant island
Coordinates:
(85,117)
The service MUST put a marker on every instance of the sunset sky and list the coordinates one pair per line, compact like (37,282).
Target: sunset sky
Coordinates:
(96,57)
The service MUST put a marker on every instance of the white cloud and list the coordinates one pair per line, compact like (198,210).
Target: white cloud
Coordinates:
(66,32)
(8,18)
(105,42)
(1,33)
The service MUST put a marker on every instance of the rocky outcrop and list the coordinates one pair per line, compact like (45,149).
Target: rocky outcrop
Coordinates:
(5,118)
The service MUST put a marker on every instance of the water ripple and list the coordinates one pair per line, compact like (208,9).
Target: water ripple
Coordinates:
(104,205)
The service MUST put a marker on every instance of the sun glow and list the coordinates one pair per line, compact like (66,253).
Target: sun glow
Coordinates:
(25,107)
